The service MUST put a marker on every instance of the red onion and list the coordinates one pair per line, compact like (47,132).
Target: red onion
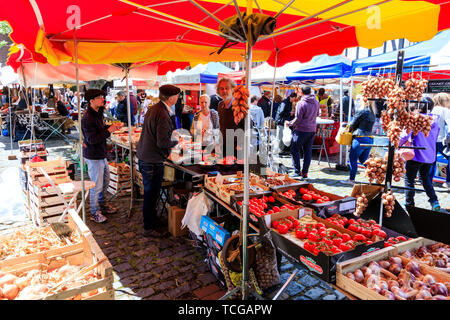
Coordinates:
(384,264)
(439,289)
(395,260)
(350,275)
(392,283)
(359,276)
(424,294)
(387,294)
(383,285)
(414,268)
(395,268)
(429,280)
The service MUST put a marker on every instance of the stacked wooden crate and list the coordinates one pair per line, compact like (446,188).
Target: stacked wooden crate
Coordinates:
(30,148)
(119,178)
(44,204)
(83,252)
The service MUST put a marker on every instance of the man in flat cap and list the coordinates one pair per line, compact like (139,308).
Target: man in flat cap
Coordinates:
(95,133)
(152,149)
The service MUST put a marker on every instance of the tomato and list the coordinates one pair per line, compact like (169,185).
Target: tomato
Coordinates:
(401,238)
(282,228)
(291,218)
(327,241)
(334,234)
(315,196)
(386,244)
(320,225)
(346,237)
(380,233)
(337,241)
(307,197)
(303,190)
(351,221)
(372,222)
(276,209)
(289,224)
(319,201)
(344,247)
(239,203)
(351,244)
(325,198)
(322,234)
(301,233)
(359,238)
(369,242)
(270,212)
(367,233)
(313,237)
(265,206)
(271,199)
(296,223)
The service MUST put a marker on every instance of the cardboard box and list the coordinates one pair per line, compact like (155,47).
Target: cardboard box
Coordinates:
(175,216)
(218,233)
(323,265)
(337,204)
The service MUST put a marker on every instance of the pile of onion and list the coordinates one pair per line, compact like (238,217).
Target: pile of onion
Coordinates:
(389,203)
(394,131)
(398,168)
(414,88)
(376,169)
(361,204)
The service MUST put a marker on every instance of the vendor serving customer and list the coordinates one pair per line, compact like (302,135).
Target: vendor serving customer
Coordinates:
(205,122)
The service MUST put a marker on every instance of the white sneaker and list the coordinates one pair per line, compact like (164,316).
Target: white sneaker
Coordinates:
(446,185)
(349,182)
(98,217)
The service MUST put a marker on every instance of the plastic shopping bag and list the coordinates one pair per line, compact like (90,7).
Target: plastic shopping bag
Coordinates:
(287,136)
(198,206)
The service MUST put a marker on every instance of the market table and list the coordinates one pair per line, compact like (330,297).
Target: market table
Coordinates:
(50,124)
(321,123)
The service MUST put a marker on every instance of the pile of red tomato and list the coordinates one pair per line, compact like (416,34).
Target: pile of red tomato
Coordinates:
(259,206)
(320,239)
(366,228)
(285,225)
(394,240)
(306,194)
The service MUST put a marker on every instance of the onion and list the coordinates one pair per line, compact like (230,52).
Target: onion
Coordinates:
(439,289)
(423,294)
(350,275)
(439,297)
(392,283)
(359,276)
(387,294)
(384,264)
(429,280)
(413,267)
(395,260)
(395,268)
(10,291)
(383,285)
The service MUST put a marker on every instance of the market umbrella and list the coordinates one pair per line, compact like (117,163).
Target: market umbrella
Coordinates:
(112,32)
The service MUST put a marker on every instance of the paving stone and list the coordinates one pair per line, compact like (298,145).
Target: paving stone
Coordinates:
(169,274)
(123,267)
(101,232)
(215,296)
(301,298)
(165,285)
(340,296)
(127,273)
(206,291)
(308,280)
(148,282)
(329,297)
(165,253)
(178,263)
(159,296)
(186,268)
(147,292)
(294,288)
(207,278)
(185,277)
(315,293)
(163,261)
(179,291)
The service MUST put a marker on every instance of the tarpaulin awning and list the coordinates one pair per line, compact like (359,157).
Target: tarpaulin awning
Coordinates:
(45,73)
(125,31)
(434,52)
(323,67)
(201,73)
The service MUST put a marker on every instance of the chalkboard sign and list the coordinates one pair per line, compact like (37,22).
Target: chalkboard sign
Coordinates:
(435,86)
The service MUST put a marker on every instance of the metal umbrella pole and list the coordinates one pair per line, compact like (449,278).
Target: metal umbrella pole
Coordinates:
(269,146)
(341,117)
(130,156)
(349,114)
(11,156)
(83,191)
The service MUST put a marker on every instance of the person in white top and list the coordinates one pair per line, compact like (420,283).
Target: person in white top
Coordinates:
(144,107)
(442,109)
(206,121)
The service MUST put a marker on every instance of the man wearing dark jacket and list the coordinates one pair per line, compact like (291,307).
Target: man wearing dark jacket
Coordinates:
(304,129)
(95,133)
(264,103)
(284,114)
(121,109)
(152,149)
(345,104)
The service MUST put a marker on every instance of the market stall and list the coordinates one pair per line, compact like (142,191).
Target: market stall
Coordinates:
(333,33)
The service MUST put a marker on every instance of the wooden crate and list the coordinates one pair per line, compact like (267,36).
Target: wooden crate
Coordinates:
(51,167)
(49,201)
(119,177)
(362,292)
(119,168)
(124,192)
(85,253)
(117,185)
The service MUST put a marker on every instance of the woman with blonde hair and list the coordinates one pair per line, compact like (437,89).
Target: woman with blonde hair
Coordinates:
(442,109)
(206,121)
(361,125)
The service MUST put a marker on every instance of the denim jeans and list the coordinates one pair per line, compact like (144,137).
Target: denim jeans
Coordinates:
(439,148)
(98,172)
(412,167)
(358,153)
(152,177)
(302,141)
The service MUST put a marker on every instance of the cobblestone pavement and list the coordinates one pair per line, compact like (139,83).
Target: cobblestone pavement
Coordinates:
(171,268)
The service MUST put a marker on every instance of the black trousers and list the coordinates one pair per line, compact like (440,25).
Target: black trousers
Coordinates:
(152,177)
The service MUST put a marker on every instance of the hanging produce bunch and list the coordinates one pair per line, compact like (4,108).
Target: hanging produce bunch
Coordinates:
(361,204)
(420,122)
(388,202)
(376,87)
(399,168)
(239,105)
(414,88)
(376,169)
